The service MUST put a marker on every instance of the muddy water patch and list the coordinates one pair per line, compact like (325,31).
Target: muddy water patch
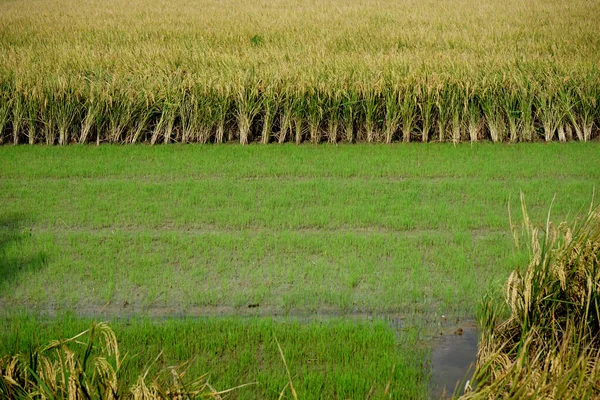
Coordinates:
(453,360)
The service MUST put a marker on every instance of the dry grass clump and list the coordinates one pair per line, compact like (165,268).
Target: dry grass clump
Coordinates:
(549,347)
(58,371)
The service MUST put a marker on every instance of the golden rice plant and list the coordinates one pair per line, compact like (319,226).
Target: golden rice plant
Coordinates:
(549,345)
(88,366)
(262,71)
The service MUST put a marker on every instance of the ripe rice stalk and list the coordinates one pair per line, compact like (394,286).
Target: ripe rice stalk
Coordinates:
(165,110)
(298,128)
(314,106)
(443,111)
(222,101)
(349,106)
(456,126)
(510,102)
(370,105)
(526,111)
(5,107)
(334,98)
(298,113)
(139,120)
(32,100)
(65,108)
(549,111)
(562,132)
(248,105)
(444,104)
(47,119)
(189,117)
(285,118)
(408,111)
(18,115)
(392,113)
(580,106)
(120,114)
(474,118)
(209,116)
(270,106)
(493,113)
(426,108)
(93,112)
(549,345)
(165,124)
(80,368)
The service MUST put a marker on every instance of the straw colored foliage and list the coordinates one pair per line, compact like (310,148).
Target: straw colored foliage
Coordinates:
(301,71)
(74,369)
(549,346)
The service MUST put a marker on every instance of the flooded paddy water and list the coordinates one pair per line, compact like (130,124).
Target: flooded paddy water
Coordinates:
(453,358)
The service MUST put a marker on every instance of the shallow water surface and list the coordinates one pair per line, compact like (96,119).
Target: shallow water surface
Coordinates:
(453,360)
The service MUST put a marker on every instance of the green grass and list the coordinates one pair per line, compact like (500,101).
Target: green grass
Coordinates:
(321,236)
(328,359)
(399,229)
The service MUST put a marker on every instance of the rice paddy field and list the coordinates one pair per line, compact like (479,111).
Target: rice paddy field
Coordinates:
(302,71)
(353,257)
(329,265)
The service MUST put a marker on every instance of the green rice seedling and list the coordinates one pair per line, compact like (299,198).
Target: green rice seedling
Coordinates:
(549,345)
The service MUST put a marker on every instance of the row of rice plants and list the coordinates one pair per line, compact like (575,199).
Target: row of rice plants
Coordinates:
(507,109)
